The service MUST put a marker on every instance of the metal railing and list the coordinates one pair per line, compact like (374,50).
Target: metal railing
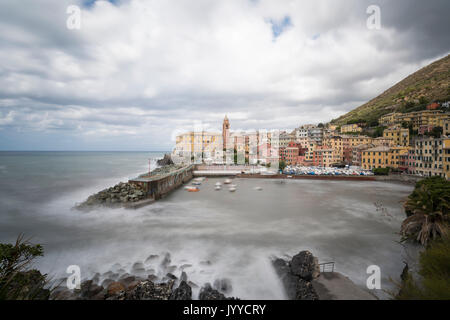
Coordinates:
(326,266)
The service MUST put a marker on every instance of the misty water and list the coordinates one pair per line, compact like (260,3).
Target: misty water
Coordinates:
(212,234)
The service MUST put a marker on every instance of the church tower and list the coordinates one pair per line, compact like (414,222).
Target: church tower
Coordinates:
(225,131)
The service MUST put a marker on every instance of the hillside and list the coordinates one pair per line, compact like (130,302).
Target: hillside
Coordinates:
(431,83)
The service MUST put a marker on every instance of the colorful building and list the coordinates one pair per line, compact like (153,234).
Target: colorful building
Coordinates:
(377,157)
(399,136)
(353,128)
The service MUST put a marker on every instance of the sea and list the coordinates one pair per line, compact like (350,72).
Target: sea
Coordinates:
(212,235)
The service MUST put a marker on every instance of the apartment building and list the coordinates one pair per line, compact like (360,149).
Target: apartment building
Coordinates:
(433,118)
(377,157)
(399,136)
(354,128)
(429,156)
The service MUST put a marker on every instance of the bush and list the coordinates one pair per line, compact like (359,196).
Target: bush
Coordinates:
(434,270)
(381,171)
(17,281)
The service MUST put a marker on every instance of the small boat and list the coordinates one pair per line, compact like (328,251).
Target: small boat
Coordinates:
(218,184)
(217,188)
(233,186)
(192,189)
(232,189)
(196,183)
(258,188)
(228,181)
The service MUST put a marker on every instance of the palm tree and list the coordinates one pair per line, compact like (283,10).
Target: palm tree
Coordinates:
(428,210)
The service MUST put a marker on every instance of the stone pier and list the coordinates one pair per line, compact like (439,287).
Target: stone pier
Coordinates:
(158,186)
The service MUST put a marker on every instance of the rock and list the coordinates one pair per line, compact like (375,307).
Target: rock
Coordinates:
(305,291)
(115,288)
(192,284)
(133,284)
(137,265)
(208,293)
(223,285)
(89,289)
(297,275)
(96,278)
(166,260)
(183,276)
(305,266)
(147,290)
(167,160)
(183,292)
(185,266)
(105,283)
(152,277)
(171,276)
(151,258)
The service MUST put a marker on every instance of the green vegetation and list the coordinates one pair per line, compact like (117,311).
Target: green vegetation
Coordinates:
(17,281)
(381,171)
(282,165)
(431,83)
(436,132)
(434,271)
(427,208)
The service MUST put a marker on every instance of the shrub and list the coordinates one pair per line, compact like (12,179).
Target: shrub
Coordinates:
(381,171)
(17,281)
(434,270)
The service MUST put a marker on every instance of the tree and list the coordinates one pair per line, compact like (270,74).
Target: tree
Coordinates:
(282,165)
(16,280)
(427,208)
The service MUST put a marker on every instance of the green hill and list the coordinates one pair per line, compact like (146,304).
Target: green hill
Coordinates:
(431,83)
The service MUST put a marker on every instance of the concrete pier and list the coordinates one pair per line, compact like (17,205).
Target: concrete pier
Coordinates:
(157,186)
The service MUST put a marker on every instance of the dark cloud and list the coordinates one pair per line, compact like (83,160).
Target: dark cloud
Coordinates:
(138,71)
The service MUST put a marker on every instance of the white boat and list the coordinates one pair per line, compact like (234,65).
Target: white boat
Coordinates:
(232,189)
(217,188)
(218,184)
(227,181)
(196,183)
(258,188)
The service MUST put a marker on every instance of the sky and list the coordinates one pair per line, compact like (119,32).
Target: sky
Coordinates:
(137,73)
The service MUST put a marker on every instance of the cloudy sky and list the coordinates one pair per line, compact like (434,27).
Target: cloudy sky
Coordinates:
(139,71)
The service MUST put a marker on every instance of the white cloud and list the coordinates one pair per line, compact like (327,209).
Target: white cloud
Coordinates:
(146,68)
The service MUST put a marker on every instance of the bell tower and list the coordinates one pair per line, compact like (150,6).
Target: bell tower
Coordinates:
(225,131)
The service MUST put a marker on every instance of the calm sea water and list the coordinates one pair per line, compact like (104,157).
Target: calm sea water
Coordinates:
(218,233)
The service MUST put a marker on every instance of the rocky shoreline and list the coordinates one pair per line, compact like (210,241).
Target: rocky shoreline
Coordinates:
(117,284)
(153,279)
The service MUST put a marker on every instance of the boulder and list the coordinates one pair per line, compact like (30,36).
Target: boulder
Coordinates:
(223,285)
(305,291)
(167,160)
(147,290)
(305,266)
(115,288)
(89,289)
(183,292)
(208,293)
